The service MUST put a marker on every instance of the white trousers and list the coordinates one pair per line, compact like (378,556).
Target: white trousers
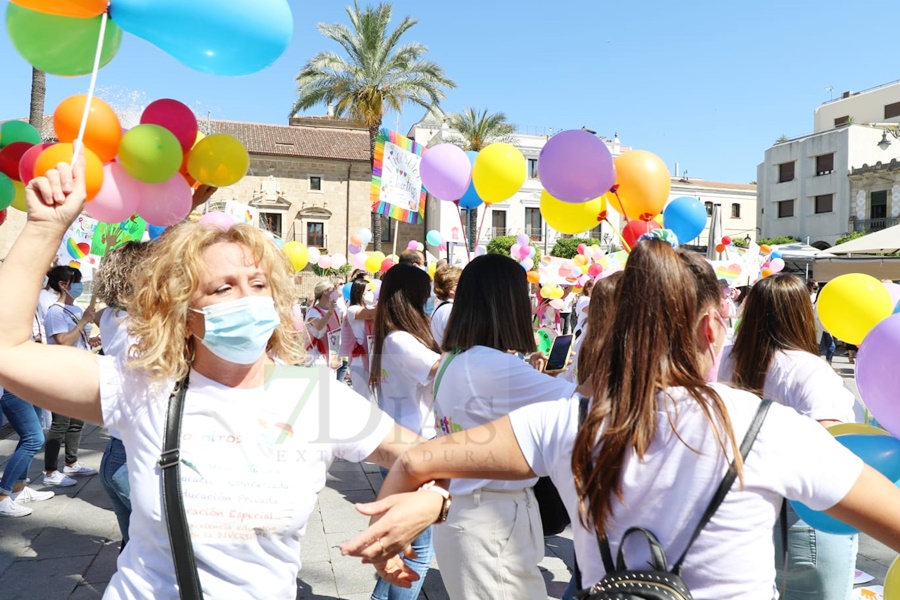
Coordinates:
(491,545)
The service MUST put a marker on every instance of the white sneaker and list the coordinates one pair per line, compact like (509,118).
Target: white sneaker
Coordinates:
(78,469)
(8,508)
(29,495)
(58,478)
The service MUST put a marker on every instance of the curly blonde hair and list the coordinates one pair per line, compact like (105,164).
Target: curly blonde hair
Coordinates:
(165,287)
(114,280)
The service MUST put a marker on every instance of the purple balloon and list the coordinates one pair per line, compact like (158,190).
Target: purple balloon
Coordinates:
(877,376)
(576,166)
(446,172)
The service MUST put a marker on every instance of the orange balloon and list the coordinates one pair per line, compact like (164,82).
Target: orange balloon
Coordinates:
(533,276)
(642,185)
(103,132)
(766,272)
(764,249)
(62,153)
(84,9)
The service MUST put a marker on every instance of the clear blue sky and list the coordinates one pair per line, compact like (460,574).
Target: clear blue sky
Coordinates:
(708,84)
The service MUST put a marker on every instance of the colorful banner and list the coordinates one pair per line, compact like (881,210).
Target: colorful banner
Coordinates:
(75,249)
(397,190)
(108,236)
(242,213)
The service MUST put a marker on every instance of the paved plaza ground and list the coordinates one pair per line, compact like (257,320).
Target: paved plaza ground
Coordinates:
(67,548)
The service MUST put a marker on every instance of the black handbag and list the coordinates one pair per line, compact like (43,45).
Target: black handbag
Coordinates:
(173,504)
(554,517)
(659,582)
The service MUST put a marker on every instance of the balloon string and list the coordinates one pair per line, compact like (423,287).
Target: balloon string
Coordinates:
(615,191)
(465,231)
(78,145)
(625,244)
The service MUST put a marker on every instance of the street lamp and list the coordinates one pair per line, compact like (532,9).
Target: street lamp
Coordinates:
(606,238)
(885,142)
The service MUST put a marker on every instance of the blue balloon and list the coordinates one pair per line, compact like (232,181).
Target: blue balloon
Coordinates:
(882,455)
(154,231)
(897,308)
(471,199)
(775,254)
(346,290)
(686,217)
(235,37)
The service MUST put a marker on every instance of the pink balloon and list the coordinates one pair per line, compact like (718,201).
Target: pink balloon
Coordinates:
(358,260)
(118,198)
(386,264)
(894,291)
(165,203)
(217,220)
(28,160)
(324,262)
(174,116)
(446,171)
(412,245)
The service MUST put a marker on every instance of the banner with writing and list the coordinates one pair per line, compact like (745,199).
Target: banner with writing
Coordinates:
(396,184)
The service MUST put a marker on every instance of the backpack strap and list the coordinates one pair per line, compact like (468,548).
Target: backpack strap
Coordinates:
(728,480)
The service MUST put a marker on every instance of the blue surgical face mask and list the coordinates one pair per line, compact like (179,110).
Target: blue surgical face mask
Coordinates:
(239,330)
(75,290)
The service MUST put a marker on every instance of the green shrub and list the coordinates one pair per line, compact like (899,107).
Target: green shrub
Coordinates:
(568,247)
(850,236)
(778,241)
(502,244)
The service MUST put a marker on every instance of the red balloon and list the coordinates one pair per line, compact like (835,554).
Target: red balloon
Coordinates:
(635,229)
(10,157)
(2,216)
(386,264)
(28,160)
(174,116)
(726,240)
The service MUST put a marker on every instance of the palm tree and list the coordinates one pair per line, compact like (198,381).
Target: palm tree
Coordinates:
(374,72)
(38,93)
(477,130)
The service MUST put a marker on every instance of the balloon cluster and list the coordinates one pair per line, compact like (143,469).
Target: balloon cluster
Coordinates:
(523,252)
(471,178)
(359,240)
(238,37)
(862,310)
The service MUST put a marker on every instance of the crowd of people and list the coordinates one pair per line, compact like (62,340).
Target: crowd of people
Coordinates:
(438,382)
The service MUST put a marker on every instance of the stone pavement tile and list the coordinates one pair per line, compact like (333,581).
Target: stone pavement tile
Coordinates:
(314,545)
(88,591)
(434,589)
(316,581)
(347,480)
(351,576)
(101,570)
(339,514)
(561,546)
(556,575)
(370,467)
(51,578)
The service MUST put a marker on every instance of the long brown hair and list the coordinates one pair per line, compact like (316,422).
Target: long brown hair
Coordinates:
(491,307)
(777,316)
(604,297)
(404,291)
(652,346)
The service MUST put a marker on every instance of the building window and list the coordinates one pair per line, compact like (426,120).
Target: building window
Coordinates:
(315,183)
(785,209)
(315,234)
(786,172)
(824,203)
(532,168)
(271,222)
(498,223)
(878,205)
(892,110)
(709,208)
(735,211)
(596,233)
(534,223)
(387,230)
(825,164)
(841,121)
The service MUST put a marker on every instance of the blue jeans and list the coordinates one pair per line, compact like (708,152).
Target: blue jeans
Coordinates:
(422,545)
(23,419)
(342,370)
(827,345)
(820,565)
(114,477)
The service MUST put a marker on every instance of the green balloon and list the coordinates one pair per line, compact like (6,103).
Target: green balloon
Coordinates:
(7,192)
(18,131)
(60,45)
(150,153)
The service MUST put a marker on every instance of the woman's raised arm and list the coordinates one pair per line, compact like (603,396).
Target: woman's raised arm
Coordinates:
(61,379)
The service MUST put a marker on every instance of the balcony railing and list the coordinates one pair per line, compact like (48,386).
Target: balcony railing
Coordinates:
(870,225)
(535,233)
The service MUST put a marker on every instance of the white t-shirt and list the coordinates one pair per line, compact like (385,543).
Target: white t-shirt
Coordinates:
(253,462)
(405,390)
(568,302)
(581,311)
(115,341)
(63,318)
(804,382)
(481,385)
(666,492)
(45,299)
(439,319)
(358,326)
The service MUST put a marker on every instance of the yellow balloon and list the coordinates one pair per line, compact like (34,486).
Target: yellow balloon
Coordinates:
(297,254)
(432,267)
(219,160)
(570,218)
(373,263)
(892,581)
(851,305)
(659,219)
(857,428)
(498,173)
(19,201)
